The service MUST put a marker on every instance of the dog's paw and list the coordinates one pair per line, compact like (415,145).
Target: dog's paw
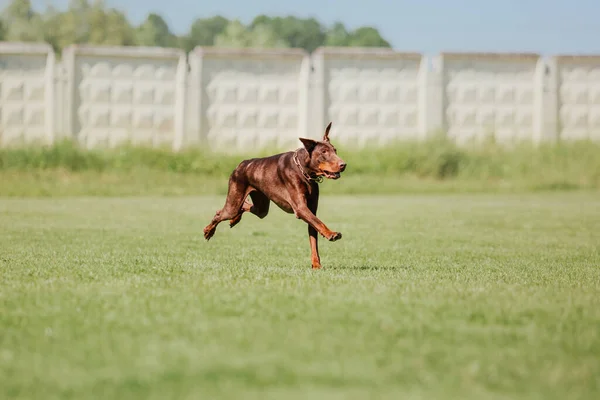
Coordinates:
(209,232)
(335,236)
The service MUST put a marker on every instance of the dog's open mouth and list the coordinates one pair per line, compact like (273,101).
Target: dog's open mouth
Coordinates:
(331,175)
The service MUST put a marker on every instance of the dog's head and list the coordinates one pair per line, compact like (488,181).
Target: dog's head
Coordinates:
(324,160)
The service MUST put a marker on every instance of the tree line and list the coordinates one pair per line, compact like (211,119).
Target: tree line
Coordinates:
(92,22)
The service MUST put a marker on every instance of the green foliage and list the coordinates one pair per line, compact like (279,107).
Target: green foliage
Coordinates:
(264,36)
(236,35)
(425,297)
(307,33)
(22,23)
(204,31)
(154,31)
(71,27)
(117,31)
(93,22)
(87,23)
(435,165)
(367,37)
(338,35)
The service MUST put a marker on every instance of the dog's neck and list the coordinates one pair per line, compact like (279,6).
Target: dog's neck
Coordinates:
(302,160)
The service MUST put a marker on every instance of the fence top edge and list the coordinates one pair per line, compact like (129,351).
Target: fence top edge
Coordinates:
(491,56)
(25,48)
(256,52)
(126,51)
(577,57)
(373,52)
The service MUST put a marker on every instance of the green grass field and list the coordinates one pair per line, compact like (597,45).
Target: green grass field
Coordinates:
(453,296)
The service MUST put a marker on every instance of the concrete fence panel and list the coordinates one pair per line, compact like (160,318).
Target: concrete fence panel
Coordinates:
(125,94)
(26,93)
(577,103)
(497,95)
(371,95)
(247,98)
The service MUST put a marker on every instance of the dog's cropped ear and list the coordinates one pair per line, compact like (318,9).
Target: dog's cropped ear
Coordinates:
(326,136)
(309,144)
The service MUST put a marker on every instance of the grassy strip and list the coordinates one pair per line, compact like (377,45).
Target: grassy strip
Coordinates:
(435,165)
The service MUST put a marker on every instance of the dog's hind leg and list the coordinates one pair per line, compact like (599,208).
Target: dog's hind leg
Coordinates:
(245,208)
(236,194)
(260,204)
(259,207)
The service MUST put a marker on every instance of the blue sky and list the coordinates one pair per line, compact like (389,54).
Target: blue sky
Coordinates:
(428,26)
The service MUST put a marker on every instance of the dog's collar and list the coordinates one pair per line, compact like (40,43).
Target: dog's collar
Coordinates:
(306,175)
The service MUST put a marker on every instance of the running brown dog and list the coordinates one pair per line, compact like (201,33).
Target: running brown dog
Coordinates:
(290,180)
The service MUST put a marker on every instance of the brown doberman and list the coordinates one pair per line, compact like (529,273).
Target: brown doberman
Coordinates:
(290,180)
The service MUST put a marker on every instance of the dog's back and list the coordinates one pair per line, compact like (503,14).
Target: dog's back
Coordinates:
(262,171)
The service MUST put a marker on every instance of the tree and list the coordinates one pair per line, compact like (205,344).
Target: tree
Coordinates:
(22,23)
(337,35)
(239,36)
(367,37)
(261,19)
(307,34)
(73,24)
(263,36)
(234,35)
(85,23)
(52,26)
(118,31)
(204,31)
(91,21)
(154,31)
(107,26)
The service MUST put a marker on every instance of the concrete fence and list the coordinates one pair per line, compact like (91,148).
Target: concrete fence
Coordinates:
(242,99)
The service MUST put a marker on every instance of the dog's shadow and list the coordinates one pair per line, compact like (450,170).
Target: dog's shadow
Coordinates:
(369,267)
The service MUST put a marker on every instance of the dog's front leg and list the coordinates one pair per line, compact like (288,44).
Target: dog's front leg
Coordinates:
(313,235)
(302,211)
(314,248)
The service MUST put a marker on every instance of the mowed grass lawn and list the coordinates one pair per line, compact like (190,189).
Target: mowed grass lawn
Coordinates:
(454,296)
